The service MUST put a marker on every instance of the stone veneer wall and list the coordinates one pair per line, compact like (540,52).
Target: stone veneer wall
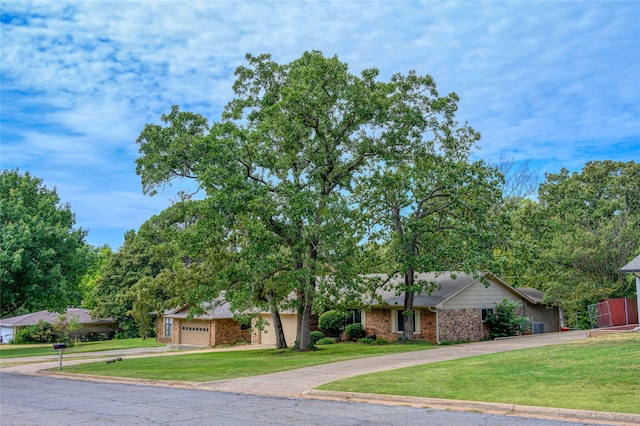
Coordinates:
(461,325)
(378,322)
(227,331)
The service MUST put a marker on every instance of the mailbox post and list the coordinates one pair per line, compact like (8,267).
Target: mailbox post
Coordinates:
(60,347)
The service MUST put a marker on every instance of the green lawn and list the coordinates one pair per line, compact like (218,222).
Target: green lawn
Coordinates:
(601,374)
(20,351)
(203,367)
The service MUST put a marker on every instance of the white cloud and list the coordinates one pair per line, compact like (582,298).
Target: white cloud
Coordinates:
(555,82)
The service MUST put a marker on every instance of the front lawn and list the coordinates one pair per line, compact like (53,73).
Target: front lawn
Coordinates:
(20,351)
(601,374)
(208,366)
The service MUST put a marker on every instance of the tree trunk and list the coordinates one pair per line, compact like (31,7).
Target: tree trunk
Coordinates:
(281,342)
(409,314)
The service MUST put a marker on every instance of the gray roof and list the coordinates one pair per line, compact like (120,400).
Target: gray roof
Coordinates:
(218,309)
(83,316)
(535,295)
(445,285)
(633,266)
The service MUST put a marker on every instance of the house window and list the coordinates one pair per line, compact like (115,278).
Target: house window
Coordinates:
(399,321)
(168,327)
(485,311)
(355,316)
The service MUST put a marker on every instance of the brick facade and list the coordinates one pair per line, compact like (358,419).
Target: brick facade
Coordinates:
(221,332)
(380,323)
(228,331)
(461,325)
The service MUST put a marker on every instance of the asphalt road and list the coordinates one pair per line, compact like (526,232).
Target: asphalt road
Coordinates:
(41,400)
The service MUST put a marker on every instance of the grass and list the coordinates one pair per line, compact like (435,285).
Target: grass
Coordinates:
(208,366)
(599,374)
(21,351)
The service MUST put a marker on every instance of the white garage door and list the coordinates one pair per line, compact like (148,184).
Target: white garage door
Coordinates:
(7,334)
(289,325)
(195,333)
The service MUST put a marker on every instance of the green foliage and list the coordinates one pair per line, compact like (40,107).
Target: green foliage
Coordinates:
(42,255)
(506,320)
(572,242)
(355,331)
(283,161)
(380,342)
(326,341)
(315,336)
(366,340)
(42,332)
(65,328)
(434,209)
(333,322)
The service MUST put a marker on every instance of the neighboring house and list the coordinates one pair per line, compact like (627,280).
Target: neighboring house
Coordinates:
(91,328)
(456,309)
(214,327)
(633,267)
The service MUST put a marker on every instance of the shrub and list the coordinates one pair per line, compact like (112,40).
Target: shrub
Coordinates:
(332,322)
(355,331)
(42,332)
(506,321)
(380,342)
(314,336)
(326,341)
(367,340)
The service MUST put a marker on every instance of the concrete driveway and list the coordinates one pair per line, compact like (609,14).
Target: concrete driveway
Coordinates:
(301,381)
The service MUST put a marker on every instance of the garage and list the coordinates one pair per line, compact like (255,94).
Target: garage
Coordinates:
(195,333)
(289,324)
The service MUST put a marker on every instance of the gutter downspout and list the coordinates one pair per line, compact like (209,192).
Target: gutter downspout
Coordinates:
(437,324)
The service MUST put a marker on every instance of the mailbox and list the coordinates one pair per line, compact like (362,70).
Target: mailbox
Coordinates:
(59,345)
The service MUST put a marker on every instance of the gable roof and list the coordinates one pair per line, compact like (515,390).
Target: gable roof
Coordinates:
(447,285)
(633,266)
(217,309)
(83,316)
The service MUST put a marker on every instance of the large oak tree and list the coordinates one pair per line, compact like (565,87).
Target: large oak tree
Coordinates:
(286,151)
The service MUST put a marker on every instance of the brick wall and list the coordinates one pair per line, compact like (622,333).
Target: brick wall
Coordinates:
(461,325)
(160,331)
(175,332)
(378,322)
(227,331)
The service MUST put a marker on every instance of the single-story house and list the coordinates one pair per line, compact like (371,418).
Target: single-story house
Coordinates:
(456,309)
(215,326)
(91,328)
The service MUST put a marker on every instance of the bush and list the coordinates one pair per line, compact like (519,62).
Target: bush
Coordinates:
(42,332)
(326,341)
(355,331)
(506,321)
(380,342)
(366,340)
(332,322)
(314,336)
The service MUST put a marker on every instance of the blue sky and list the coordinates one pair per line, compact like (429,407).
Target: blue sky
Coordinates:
(554,83)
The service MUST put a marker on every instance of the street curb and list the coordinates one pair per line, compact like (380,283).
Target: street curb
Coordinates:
(452,404)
